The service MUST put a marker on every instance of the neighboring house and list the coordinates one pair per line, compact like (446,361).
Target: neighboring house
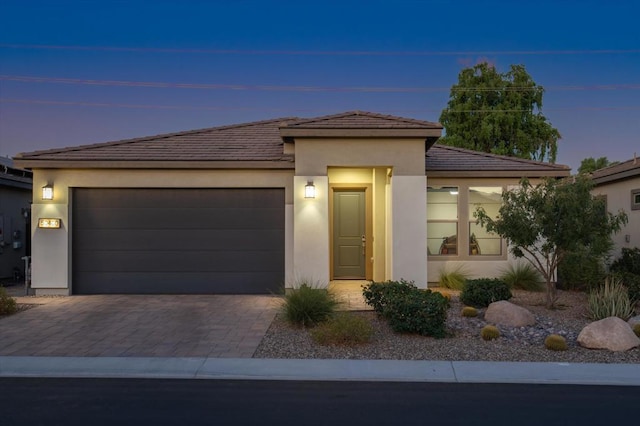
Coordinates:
(249,207)
(15,199)
(620,184)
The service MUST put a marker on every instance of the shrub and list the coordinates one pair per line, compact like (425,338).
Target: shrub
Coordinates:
(453,279)
(524,276)
(343,329)
(378,294)
(489,332)
(629,261)
(7,303)
(469,311)
(581,270)
(555,342)
(407,308)
(632,282)
(484,291)
(611,299)
(307,305)
(636,329)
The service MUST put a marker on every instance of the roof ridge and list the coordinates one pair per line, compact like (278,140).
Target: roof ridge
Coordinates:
(152,137)
(492,155)
(365,114)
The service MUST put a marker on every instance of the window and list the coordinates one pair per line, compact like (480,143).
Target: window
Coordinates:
(635,199)
(442,220)
(482,242)
(451,227)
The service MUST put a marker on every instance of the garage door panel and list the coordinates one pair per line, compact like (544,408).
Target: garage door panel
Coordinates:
(181,261)
(181,283)
(167,218)
(188,240)
(183,197)
(177,240)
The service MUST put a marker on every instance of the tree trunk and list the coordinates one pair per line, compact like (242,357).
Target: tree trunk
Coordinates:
(551,294)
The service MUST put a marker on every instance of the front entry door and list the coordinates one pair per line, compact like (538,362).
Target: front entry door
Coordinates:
(348,234)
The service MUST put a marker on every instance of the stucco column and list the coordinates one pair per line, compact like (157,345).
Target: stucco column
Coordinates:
(310,232)
(409,223)
(50,251)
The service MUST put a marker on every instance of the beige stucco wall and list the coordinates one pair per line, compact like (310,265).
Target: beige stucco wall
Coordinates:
(51,259)
(314,156)
(619,198)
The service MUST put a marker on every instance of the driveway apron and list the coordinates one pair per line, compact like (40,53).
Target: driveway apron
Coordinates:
(225,326)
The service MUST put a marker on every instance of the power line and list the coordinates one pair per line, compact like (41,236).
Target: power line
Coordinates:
(245,87)
(228,108)
(320,52)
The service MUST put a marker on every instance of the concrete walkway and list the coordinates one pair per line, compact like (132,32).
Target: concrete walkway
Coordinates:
(139,326)
(322,370)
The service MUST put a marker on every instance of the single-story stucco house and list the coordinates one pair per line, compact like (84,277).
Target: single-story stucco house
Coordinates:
(620,184)
(251,207)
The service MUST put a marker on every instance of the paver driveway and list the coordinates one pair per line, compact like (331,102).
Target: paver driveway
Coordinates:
(140,325)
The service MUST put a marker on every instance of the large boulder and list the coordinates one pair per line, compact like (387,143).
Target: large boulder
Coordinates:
(506,313)
(611,333)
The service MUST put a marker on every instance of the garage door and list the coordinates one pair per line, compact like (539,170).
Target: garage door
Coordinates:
(175,241)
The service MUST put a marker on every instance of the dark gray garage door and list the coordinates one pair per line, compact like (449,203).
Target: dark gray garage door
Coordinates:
(224,241)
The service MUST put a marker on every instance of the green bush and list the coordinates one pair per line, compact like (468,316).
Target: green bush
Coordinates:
(407,308)
(636,329)
(581,270)
(7,304)
(489,332)
(307,305)
(469,311)
(523,276)
(610,300)
(453,279)
(343,328)
(378,294)
(555,342)
(484,291)
(629,261)
(632,282)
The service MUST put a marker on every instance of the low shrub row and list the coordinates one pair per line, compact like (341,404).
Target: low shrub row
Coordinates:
(407,308)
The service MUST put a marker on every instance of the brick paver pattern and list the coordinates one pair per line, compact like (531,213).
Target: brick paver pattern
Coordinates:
(221,326)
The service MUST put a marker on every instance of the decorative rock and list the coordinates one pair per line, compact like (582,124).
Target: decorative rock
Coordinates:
(506,313)
(634,320)
(610,333)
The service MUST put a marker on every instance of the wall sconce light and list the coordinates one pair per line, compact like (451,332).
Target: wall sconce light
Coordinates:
(47,192)
(310,190)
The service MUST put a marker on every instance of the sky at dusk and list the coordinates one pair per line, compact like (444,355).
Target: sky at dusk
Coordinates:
(80,72)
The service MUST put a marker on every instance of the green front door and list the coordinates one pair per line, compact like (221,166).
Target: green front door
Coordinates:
(348,234)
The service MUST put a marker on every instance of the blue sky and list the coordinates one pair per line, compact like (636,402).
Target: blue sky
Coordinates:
(231,61)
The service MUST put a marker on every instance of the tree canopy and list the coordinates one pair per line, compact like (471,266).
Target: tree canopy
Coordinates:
(545,222)
(590,164)
(499,113)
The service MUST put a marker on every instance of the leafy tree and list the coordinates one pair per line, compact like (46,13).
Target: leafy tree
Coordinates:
(499,113)
(590,165)
(545,222)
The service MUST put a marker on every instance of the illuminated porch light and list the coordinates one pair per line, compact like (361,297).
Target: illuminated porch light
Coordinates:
(310,190)
(47,192)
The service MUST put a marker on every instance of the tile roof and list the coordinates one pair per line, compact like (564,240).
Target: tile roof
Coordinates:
(362,120)
(448,158)
(261,141)
(624,170)
(256,141)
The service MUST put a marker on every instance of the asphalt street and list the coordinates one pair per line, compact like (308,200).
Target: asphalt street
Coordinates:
(50,401)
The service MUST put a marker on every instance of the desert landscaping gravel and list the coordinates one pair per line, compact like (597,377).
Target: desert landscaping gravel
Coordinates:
(464,343)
